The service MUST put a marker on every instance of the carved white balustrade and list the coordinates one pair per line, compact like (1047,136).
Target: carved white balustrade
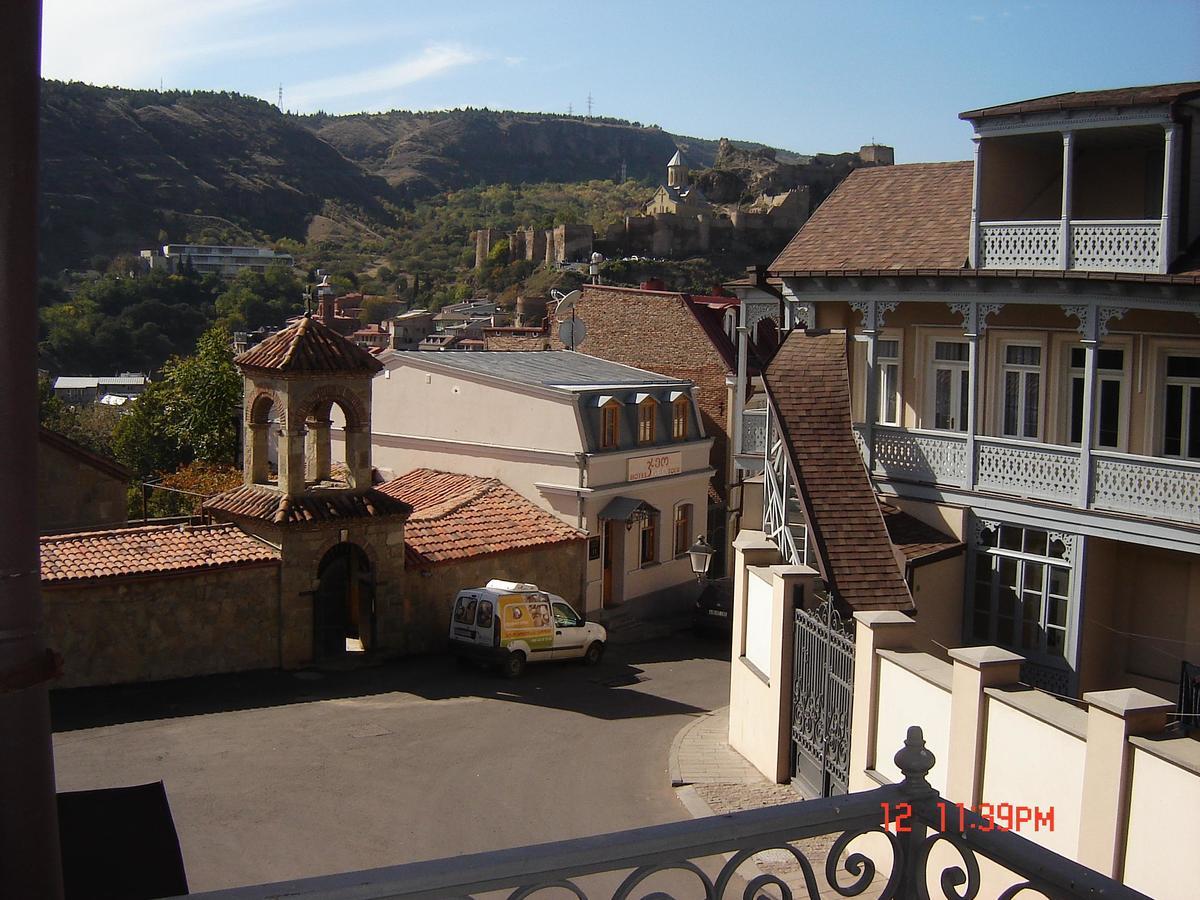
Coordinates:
(933,456)
(754,432)
(1146,486)
(1033,471)
(1116,246)
(1020,245)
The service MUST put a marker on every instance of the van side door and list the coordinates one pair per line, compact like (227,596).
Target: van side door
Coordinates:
(569,632)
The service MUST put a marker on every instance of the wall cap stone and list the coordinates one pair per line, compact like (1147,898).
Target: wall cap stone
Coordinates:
(983,657)
(873,618)
(1127,701)
(788,571)
(753,540)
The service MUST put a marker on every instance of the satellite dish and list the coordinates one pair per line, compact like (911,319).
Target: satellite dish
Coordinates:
(572,332)
(566,304)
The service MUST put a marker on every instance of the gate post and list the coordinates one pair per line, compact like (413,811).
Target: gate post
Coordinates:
(975,668)
(884,630)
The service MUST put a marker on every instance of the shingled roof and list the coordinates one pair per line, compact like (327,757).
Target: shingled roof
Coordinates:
(255,502)
(465,517)
(917,541)
(887,217)
(152,550)
(1146,95)
(808,387)
(308,346)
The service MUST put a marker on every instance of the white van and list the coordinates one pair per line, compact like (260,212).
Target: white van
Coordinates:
(510,623)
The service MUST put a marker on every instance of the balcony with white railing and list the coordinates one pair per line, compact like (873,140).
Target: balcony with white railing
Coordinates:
(1106,246)
(1145,486)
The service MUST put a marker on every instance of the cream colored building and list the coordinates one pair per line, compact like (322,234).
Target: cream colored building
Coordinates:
(1023,346)
(616,451)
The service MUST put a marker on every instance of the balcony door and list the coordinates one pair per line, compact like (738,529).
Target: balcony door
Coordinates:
(951,385)
(1181,413)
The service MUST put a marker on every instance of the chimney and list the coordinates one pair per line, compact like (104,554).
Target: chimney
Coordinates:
(325,303)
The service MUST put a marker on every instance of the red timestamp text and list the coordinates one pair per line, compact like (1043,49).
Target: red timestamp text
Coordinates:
(984,817)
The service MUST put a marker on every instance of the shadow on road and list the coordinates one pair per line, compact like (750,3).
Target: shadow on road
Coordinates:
(618,688)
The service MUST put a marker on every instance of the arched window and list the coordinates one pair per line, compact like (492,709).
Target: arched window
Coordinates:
(610,425)
(647,414)
(679,418)
(683,528)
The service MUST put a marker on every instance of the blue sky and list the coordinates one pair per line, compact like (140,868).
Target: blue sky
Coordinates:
(807,76)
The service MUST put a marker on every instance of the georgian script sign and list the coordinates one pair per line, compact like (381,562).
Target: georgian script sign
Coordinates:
(644,467)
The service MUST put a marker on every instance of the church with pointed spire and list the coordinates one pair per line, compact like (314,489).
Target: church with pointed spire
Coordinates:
(678,196)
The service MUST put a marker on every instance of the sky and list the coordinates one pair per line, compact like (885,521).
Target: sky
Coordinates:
(803,75)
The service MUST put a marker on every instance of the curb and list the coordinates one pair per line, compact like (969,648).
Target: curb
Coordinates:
(673,770)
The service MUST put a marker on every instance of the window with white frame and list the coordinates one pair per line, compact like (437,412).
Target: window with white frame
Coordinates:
(1181,407)
(1109,400)
(887,363)
(1021,391)
(951,385)
(1022,591)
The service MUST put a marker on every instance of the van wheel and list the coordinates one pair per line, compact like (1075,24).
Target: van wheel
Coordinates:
(595,652)
(514,665)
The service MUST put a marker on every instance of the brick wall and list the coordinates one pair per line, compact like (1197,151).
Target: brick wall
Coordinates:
(149,629)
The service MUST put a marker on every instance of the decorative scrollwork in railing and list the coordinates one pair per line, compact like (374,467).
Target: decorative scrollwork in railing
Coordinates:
(1161,488)
(920,456)
(754,431)
(1020,245)
(1116,246)
(1037,471)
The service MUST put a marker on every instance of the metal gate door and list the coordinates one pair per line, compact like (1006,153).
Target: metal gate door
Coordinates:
(822,687)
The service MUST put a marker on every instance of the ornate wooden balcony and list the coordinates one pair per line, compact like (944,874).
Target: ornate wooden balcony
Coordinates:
(1108,246)
(1150,487)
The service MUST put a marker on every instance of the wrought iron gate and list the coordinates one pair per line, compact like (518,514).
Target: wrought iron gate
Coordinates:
(822,687)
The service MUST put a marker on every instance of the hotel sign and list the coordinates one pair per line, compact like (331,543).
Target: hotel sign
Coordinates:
(642,468)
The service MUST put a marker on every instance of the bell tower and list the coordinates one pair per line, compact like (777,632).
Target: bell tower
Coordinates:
(293,380)
(677,171)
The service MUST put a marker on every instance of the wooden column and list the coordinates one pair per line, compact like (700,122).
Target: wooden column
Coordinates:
(1068,168)
(973,248)
(1170,191)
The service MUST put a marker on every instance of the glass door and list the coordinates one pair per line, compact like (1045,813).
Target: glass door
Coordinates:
(951,385)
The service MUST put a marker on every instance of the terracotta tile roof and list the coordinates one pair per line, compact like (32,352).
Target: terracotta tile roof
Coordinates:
(71,448)
(888,217)
(465,517)
(308,346)
(916,539)
(1147,95)
(808,387)
(254,502)
(152,550)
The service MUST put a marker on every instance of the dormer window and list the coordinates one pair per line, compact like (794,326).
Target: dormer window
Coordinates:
(647,413)
(610,425)
(679,418)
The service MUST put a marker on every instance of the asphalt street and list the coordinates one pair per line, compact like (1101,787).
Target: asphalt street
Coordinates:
(281,775)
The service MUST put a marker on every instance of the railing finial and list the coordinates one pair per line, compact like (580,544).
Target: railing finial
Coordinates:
(915,760)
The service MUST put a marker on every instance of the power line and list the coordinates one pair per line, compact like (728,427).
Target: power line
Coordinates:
(589,104)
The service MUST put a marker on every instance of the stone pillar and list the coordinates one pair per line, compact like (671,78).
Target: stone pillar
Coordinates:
(291,461)
(1113,717)
(1068,169)
(884,630)
(317,451)
(975,668)
(358,455)
(257,468)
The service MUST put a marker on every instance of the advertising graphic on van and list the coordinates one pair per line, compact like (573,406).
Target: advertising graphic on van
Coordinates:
(526,619)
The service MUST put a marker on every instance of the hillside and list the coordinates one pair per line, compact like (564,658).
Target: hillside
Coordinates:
(121,166)
(125,169)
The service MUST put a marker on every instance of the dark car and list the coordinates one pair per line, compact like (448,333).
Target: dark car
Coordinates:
(714,607)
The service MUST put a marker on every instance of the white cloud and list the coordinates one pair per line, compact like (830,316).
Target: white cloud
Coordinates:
(432,61)
(514,60)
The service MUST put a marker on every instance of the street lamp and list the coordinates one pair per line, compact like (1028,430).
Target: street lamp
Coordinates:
(701,555)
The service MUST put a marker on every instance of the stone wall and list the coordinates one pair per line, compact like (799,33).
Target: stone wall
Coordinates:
(74,495)
(149,629)
(558,569)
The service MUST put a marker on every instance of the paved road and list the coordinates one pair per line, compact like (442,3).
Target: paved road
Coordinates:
(282,775)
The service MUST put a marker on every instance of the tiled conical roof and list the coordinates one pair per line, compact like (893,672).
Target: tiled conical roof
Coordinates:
(308,346)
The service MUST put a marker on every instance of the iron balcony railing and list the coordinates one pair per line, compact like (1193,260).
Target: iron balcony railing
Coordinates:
(1146,486)
(724,856)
